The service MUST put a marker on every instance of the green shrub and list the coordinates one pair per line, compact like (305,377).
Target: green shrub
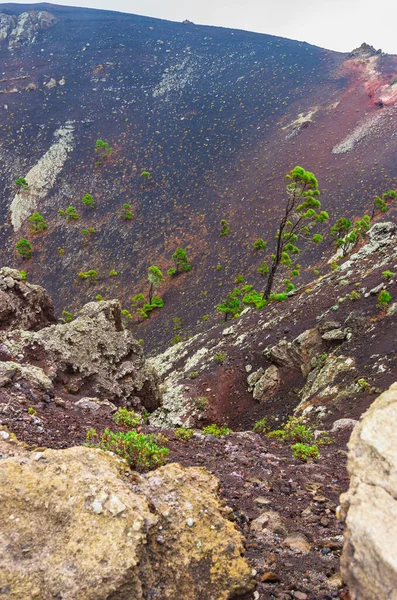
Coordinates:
(32,411)
(126,212)
(215,430)
(88,200)
(67,316)
(61,251)
(24,248)
(305,452)
(218,267)
(113,273)
(353,295)
(126,417)
(224,228)
(176,339)
(23,275)
(260,244)
(278,297)
(38,223)
(193,374)
(239,279)
(91,275)
(91,433)
(254,298)
(384,299)
(220,357)
(293,431)
(387,275)
(99,297)
(261,426)
(22,183)
(140,451)
(70,213)
(182,433)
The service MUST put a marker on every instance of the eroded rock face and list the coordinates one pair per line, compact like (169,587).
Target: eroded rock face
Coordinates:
(369,508)
(297,354)
(23,305)
(75,527)
(15,31)
(94,353)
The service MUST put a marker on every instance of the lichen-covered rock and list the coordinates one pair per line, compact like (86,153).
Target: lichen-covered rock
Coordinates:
(369,508)
(75,527)
(23,305)
(298,353)
(16,31)
(35,377)
(94,355)
(267,383)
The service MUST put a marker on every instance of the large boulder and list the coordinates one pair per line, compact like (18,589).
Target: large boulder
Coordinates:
(298,353)
(93,355)
(78,525)
(23,305)
(369,508)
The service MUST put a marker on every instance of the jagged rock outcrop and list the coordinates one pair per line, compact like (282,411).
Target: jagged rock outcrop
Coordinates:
(93,355)
(298,353)
(23,305)
(369,508)
(75,526)
(15,31)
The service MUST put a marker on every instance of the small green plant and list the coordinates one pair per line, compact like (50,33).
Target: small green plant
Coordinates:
(220,357)
(67,316)
(293,430)
(24,248)
(61,251)
(364,385)
(70,213)
(218,267)
(91,275)
(102,148)
(141,451)
(126,212)
(224,228)
(260,244)
(181,262)
(334,266)
(23,275)
(261,426)
(22,183)
(387,275)
(99,297)
(304,452)
(88,200)
(145,174)
(354,295)
(231,306)
(205,318)
(182,433)
(216,431)
(176,339)
(37,222)
(155,278)
(193,375)
(126,417)
(145,414)
(177,323)
(384,299)
(32,411)
(91,434)
(113,273)
(278,297)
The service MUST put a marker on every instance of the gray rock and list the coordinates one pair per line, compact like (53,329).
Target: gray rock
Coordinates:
(343,424)
(334,335)
(369,508)
(23,305)
(269,381)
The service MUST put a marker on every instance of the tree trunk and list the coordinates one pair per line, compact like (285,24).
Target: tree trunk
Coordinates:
(150,293)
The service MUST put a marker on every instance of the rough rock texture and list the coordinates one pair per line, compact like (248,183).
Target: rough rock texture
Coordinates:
(93,355)
(22,305)
(369,560)
(297,354)
(266,383)
(75,528)
(16,31)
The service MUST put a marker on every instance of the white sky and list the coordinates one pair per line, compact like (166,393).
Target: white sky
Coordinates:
(333,24)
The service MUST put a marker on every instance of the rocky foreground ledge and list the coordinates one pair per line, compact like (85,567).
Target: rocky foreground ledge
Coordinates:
(78,525)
